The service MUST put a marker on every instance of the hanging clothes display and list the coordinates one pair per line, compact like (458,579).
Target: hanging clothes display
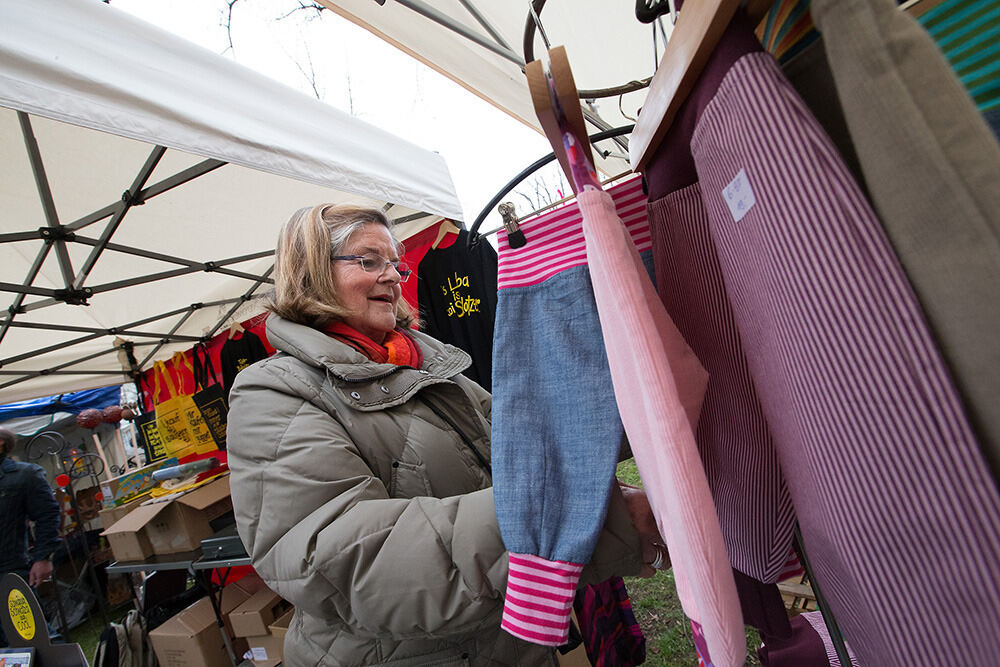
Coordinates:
(808,645)
(645,347)
(457,297)
(237,354)
(897,507)
(787,29)
(810,75)
(968,34)
(553,408)
(415,246)
(741,463)
(931,168)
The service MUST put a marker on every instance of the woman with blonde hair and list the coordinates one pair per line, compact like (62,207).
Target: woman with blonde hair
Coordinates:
(360,460)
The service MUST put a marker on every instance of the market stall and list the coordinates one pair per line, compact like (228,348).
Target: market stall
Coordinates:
(144,185)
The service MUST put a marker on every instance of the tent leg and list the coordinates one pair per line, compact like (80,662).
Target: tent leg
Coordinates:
(831,623)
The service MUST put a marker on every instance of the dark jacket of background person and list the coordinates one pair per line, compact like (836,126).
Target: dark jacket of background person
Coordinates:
(362,492)
(25,494)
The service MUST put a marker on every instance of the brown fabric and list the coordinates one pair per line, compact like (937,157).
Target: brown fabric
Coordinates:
(930,163)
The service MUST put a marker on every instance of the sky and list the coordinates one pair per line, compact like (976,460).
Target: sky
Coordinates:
(326,56)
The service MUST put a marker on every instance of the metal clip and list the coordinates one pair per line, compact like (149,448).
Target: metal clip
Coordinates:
(515,237)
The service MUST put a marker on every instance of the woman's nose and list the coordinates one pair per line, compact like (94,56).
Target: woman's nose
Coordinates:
(390,274)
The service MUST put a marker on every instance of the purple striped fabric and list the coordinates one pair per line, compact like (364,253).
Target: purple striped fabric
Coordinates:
(539,599)
(751,497)
(555,238)
(898,510)
(816,622)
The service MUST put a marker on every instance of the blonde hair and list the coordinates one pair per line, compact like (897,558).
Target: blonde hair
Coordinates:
(304,290)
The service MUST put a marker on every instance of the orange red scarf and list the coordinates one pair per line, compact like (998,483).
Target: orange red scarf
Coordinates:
(397,349)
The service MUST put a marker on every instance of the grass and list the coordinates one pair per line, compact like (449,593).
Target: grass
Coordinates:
(87,633)
(659,613)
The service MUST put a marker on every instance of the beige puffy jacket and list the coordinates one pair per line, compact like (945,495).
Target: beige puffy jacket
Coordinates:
(362,492)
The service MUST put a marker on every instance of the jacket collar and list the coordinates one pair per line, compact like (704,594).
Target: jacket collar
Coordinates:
(315,348)
(7,465)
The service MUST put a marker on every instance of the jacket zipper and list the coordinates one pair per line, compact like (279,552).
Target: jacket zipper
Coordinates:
(461,434)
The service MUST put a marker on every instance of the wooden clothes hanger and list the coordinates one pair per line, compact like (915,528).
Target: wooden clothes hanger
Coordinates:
(446,227)
(235,328)
(557,105)
(699,27)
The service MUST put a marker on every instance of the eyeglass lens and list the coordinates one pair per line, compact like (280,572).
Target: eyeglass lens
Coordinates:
(377,264)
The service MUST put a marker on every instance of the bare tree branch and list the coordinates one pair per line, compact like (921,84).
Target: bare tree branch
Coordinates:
(228,24)
(531,204)
(310,75)
(350,92)
(314,6)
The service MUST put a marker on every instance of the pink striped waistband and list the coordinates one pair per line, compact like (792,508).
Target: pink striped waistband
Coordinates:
(555,238)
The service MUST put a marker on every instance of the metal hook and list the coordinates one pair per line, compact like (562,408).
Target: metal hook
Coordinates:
(538,24)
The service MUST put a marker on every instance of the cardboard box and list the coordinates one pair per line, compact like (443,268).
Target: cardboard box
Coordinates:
(172,526)
(265,650)
(128,544)
(280,627)
(119,490)
(191,638)
(268,650)
(109,516)
(252,617)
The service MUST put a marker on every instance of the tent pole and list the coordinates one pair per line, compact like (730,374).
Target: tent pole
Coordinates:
(487,26)
(15,307)
(180,178)
(444,20)
(831,623)
(119,331)
(45,195)
(178,325)
(149,254)
(243,299)
(128,199)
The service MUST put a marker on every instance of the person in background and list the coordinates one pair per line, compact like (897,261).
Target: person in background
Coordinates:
(360,459)
(25,495)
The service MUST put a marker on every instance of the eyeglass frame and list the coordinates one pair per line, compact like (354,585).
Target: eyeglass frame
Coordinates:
(401,267)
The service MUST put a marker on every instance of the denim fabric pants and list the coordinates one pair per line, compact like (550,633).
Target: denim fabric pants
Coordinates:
(556,432)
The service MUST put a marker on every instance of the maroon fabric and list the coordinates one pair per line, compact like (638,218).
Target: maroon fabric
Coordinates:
(762,605)
(802,648)
(734,440)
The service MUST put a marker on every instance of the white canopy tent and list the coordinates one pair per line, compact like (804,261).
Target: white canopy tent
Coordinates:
(212,158)
(480,45)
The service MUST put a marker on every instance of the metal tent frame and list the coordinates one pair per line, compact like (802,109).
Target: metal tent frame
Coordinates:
(144,284)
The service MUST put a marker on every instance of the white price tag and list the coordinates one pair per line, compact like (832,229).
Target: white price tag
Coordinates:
(739,196)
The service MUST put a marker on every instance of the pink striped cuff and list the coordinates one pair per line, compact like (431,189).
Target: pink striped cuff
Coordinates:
(555,238)
(539,599)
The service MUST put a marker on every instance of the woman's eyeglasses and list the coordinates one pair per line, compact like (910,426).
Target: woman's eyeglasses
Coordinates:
(376,264)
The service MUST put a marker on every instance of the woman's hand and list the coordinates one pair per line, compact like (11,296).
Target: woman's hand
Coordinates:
(654,553)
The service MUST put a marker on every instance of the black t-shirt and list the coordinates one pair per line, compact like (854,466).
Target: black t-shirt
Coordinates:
(457,296)
(237,354)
